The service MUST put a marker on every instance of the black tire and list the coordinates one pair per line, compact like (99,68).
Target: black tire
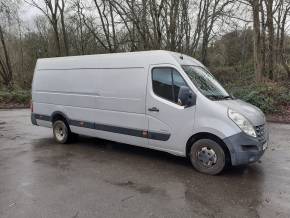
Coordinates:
(207,156)
(62,133)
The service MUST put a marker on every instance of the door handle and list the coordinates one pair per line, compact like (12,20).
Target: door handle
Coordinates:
(153,109)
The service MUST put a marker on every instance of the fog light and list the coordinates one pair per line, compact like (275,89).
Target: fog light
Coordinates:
(252,159)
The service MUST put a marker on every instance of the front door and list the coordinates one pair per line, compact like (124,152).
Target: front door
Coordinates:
(169,123)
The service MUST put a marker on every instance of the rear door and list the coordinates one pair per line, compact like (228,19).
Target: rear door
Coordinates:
(169,123)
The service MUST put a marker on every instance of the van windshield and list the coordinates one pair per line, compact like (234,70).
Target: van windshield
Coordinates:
(206,83)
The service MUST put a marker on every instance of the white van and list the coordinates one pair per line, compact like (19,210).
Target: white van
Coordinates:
(155,99)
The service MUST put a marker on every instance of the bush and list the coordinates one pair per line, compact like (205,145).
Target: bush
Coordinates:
(15,96)
(232,74)
(269,97)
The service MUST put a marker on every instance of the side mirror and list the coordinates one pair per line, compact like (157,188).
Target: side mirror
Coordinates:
(186,97)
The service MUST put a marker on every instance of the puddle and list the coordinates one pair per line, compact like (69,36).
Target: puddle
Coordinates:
(141,188)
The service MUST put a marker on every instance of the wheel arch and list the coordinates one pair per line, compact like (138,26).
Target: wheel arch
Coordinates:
(58,115)
(207,135)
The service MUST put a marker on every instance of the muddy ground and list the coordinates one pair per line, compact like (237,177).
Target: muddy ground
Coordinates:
(98,178)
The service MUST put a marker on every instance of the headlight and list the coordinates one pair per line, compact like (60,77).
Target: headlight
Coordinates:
(242,122)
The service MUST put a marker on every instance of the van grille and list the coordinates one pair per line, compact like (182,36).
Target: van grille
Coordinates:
(261,132)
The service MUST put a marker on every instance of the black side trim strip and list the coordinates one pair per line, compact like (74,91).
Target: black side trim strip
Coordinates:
(158,136)
(83,124)
(120,130)
(109,128)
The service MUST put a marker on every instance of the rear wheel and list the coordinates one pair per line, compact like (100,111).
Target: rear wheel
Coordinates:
(207,156)
(62,133)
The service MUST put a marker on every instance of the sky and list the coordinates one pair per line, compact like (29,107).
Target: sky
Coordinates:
(27,13)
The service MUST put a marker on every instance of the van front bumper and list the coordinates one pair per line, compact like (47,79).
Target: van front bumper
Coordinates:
(245,149)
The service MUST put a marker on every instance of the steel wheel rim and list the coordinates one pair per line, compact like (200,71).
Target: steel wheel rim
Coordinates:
(206,156)
(60,132)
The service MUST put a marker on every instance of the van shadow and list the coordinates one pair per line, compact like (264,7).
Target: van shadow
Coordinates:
(100,148)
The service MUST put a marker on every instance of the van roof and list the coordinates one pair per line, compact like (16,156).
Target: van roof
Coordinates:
(116,60)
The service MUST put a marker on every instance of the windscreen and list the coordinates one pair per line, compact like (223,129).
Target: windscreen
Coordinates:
(206,83)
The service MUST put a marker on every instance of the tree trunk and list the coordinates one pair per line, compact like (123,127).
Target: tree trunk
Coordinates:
(271,33)
(257,41)
(64,33)
(281,49)
(56,35)
(263,38)
(205,35)
(8,78)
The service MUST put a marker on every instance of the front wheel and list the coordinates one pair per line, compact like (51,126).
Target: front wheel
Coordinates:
(207,156)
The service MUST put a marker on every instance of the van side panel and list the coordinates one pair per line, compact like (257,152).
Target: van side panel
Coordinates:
(110,97)
(107,89)
(122,90)
(65,87)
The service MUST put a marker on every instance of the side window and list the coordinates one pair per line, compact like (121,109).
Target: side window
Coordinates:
(167,83)
(162,83)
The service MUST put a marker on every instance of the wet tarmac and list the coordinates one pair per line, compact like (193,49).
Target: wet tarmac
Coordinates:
(98,178)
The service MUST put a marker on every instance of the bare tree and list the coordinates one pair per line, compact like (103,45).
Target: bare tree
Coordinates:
(8,11)
(156,9)
(283,13)
(256,6)
(61,6)
(271,35)
(192,27)
(78,27)
(209,12)
(263,36)
(50,10)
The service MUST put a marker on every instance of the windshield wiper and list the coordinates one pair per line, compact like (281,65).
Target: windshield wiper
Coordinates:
(227,97)
(220,97)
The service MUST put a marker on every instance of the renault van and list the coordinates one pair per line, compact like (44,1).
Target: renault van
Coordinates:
(155,99)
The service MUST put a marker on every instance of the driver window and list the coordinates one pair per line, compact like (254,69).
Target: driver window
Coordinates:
(166,83)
